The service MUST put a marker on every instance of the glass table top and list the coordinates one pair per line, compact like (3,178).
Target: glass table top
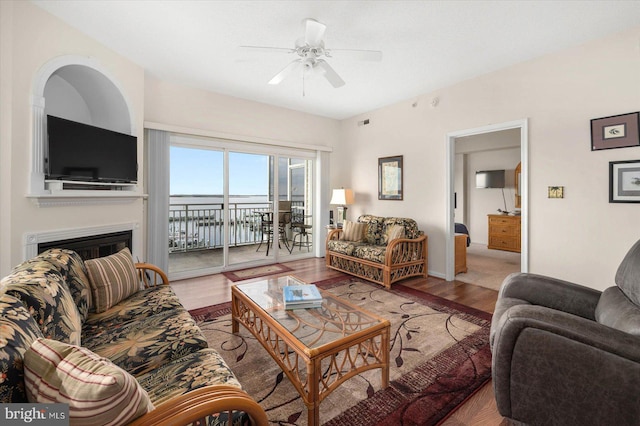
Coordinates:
(315,327)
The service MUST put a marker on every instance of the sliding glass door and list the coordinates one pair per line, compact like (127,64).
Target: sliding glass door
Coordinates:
(251,229)
(231,208)
(196,202)
(296,194)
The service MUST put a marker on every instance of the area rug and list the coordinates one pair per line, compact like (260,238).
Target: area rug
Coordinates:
(258,271)
(439,357)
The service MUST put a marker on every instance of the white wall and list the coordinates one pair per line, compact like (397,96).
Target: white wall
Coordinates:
(186,107)
(581,237)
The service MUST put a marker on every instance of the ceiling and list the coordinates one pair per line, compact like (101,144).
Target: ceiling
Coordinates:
(426,45)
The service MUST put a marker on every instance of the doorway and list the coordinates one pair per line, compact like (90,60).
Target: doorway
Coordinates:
(452,138)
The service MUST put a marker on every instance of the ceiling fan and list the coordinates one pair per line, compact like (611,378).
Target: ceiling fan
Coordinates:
(311,51)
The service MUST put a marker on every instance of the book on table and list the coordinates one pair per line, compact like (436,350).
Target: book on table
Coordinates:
(301,296)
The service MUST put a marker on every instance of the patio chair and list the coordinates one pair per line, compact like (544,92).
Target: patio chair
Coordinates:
(300,230)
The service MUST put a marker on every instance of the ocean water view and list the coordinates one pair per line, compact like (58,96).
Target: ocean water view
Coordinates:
(197,221)
(198,180)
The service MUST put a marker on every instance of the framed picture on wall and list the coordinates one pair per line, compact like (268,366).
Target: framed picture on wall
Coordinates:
(390,178)
(618,131)
(624,181)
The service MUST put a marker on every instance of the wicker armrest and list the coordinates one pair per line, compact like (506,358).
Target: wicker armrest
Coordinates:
(199,403)
(151,276)
(404,250)
(334,234)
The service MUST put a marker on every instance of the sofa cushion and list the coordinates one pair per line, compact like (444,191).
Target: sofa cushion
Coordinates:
(353,231)
(410,226)
(44,292)
(18,330)
(143,304)
(342,247)
(96,391)
(374,229)
(370,252)
(628,274)
(144,345)
(393,232)
(113,278)
(615,310)
(202,368)
(72,268)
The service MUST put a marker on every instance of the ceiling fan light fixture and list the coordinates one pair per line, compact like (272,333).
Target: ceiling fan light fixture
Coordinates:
(310,48)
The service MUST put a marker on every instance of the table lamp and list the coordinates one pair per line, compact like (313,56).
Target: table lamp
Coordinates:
(342,198)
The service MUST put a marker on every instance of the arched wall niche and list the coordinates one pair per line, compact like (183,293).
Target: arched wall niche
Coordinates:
(80,89)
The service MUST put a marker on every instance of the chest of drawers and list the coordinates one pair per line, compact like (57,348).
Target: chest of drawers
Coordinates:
(504,232)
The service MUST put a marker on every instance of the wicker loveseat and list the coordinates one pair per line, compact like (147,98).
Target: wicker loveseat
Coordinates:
(376,255)
(136,354)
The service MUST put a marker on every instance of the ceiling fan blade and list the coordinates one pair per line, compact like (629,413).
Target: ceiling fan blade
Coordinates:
(329,73)
(362,55)
(314,31)
(277,79)
(266,49)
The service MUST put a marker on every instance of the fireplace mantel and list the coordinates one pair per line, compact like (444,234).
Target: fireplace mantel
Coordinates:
(84,198)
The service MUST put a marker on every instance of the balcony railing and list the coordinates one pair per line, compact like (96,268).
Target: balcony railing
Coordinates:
(200,226)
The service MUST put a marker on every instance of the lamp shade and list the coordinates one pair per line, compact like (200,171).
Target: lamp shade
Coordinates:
(342,197)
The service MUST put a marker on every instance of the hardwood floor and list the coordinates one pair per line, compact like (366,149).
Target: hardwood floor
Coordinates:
(480,409)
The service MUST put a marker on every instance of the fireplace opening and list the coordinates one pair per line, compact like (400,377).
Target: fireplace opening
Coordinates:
(93,246)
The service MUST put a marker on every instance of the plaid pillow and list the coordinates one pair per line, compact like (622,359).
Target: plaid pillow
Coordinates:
(97,391)
(112,279)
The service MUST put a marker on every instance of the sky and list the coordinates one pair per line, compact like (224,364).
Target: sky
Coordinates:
(200,171)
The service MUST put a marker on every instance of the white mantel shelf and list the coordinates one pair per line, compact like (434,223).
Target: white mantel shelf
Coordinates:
(84,198)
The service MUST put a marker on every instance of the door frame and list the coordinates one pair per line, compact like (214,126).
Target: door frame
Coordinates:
(450,141)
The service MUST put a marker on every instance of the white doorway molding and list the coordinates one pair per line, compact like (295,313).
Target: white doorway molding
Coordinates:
(450,180)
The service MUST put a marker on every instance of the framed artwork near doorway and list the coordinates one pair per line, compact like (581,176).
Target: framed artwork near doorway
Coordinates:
(617,131)
(624,181)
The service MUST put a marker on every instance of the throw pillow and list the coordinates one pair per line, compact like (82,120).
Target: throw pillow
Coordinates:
(373,234)
(393,233)
(97,391)
(112,279)
(353,231)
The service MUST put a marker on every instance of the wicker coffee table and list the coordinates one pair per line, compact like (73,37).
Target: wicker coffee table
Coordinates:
(318,349)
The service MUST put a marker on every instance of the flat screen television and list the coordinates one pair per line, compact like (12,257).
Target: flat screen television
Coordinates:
(80,152)
(490,179)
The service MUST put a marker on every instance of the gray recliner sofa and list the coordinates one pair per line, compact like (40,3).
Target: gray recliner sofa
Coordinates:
(565,354)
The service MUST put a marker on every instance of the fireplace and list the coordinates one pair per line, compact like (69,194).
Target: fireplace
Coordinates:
(89,242)
(93,246)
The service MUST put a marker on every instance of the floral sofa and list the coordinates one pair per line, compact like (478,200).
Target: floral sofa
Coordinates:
(111,339)
(379,249)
